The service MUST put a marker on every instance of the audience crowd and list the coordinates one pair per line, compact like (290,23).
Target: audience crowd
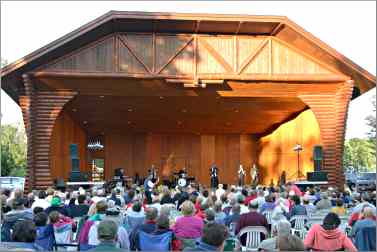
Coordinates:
(194,218)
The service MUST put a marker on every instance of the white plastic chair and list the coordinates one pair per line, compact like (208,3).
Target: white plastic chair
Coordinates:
(253,236)
(299,226)
(268,215)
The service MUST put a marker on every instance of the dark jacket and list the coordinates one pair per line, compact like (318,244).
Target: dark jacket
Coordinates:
(78,210)
(10,219)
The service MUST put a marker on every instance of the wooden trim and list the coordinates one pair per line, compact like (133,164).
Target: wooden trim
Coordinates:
(195,56)
(306,55)
(277,29)
(175,55)
(123,39)
(86,47)
(247,77)
(154,52)
(253,55)
(217,56)
(270,61)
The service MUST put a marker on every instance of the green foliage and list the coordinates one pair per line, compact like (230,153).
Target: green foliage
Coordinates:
(371,122)
(359,154)
(13,151)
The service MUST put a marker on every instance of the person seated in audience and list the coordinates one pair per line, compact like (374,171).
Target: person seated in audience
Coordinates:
(367,218)
(166,196)
(23,237)
(297,208)
(44,232)
(107,232)
(156,203)
(201,212)
(268,205)
(37,210)
(364,202)
(310,208)
(17,213)
(188,226)
(339,207)
(136,210)
(112,214)
(149,227)
(234,215)
(79,210)
(181,196)
(100,213)
(328,237)
(209,216)
(324,203)
(220,191)
(292,187)
(282,239)
(219,214)
(357,216)
(241,202)
(252,218)
(129,196)
(41,201)
(213,239)
(260,200)
(57,205)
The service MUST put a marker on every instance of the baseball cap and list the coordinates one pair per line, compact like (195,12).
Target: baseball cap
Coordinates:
(56,201)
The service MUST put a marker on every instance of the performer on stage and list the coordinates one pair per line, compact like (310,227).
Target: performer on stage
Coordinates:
(241,176)
(254,175)
(149,184)
(214,176)
(182,173)
(153,172)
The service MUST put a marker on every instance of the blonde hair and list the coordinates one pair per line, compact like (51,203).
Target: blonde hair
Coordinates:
(187,208)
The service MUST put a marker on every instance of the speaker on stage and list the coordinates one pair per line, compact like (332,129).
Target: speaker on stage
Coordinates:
(317,176)
(60,184)
(73,150)
(317,157)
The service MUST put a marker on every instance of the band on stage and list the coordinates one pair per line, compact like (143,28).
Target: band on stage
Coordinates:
(180,178)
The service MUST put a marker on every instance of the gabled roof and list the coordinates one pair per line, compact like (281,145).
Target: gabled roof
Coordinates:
(122,21)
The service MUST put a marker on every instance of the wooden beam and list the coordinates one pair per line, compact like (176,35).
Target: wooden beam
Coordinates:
(123,39)
(252,55)
(326,78)
(277,29)
(176,54)
(216,55)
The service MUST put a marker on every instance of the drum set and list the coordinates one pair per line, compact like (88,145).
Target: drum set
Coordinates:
(182,179)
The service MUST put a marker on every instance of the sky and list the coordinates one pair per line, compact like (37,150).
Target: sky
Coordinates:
(349,27)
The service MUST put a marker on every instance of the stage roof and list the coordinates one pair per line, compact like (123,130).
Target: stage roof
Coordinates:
(121,21)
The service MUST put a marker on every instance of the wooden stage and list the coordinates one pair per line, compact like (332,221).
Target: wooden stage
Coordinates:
(185,90)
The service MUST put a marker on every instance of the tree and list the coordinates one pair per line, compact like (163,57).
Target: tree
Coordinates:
(359,154)
(371,121)
(13,151)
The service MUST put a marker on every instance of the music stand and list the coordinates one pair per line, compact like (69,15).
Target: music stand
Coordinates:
(298,148)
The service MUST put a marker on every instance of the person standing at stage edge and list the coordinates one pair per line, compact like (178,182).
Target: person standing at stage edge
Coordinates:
(214,176)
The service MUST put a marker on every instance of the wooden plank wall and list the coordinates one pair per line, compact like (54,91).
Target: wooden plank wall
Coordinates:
(66,131)
(275,151)
(170,152)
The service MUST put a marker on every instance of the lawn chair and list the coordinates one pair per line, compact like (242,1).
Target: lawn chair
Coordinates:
(63,238)
(299,228)
(253,236)
(152,242)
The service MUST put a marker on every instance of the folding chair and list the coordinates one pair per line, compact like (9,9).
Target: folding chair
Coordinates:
(253,236)
(152,242)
